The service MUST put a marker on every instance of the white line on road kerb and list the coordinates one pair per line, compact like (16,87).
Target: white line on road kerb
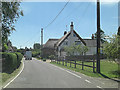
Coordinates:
(15,76)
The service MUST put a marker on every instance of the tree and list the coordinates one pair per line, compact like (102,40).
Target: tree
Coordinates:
(10,13)
(118,31)
(36,46)
(71,50)
(110,49)
(102,35)
(118,37)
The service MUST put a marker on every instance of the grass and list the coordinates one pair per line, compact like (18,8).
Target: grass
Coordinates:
(109,69)
(7,76)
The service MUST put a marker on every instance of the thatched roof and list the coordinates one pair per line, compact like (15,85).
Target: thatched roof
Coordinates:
(50,43)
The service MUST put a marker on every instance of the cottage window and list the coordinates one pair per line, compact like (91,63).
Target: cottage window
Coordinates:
(74,35)
(77,42)
(66,43)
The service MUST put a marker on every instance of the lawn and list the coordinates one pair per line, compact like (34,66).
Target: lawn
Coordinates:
(109,69)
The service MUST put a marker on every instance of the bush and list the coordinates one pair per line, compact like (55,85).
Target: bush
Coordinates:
(19,58)
(44,59)
(35,54)
(51,57)
(11,61)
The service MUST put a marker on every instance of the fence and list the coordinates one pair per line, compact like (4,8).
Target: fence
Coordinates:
(74,60)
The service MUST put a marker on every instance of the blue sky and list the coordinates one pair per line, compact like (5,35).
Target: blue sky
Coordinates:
(38,15)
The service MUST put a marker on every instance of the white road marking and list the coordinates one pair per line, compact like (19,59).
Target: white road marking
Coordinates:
(15,76)
(67,71)
(87,81)
(98,87)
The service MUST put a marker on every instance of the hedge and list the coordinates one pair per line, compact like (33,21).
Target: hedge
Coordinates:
(19,58)
(11,61)
(35,54)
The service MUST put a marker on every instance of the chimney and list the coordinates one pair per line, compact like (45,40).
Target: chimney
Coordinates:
(65,32)
(71,26)
(92,36)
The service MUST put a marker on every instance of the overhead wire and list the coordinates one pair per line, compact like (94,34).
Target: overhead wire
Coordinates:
(84,13)
(51,21)
(56,18)
(57,15)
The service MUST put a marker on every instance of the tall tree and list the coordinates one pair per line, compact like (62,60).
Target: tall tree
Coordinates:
(36,46)
(110,49)
(71,50)
(118,31)
(10,13)
(118,37)
(102,35)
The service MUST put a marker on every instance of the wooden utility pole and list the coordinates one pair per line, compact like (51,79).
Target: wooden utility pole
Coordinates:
(98,36)
(41,41)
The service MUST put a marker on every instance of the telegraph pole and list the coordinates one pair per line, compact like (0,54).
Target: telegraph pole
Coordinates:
(98,36)
(41,41)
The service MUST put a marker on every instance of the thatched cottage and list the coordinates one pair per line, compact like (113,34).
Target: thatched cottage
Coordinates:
(56,46)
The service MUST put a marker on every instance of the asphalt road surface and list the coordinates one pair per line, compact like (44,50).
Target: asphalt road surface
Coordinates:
(39,74)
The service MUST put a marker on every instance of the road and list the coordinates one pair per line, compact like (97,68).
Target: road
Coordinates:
(39,74)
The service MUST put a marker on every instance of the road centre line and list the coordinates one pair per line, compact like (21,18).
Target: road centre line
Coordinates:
(74,75)
(87,81)
(67,71)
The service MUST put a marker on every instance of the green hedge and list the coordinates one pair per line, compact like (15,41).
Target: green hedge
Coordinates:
(19,58)
(44,59)
(35,54)
(11,61)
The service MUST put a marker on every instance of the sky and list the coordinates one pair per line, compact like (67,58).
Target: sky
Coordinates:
(38,15)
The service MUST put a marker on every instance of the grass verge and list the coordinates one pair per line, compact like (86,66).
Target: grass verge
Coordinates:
(109,69)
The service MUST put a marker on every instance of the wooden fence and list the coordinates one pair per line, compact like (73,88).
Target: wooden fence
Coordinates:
(74,60)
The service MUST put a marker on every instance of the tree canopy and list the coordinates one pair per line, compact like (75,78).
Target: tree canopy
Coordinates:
(71,50)
(36,46)
(118,31)
(10,13)
(102,36)
(111,48)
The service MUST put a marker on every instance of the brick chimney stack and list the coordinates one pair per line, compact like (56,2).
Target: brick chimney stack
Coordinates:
(93,36)
(71,26)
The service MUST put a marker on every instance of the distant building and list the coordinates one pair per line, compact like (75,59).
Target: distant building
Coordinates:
(56,46)
(48,47)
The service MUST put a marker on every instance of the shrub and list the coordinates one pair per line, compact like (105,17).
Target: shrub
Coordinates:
(44,59)
(11,61)
(35,54)
(19,58)
(51,57)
